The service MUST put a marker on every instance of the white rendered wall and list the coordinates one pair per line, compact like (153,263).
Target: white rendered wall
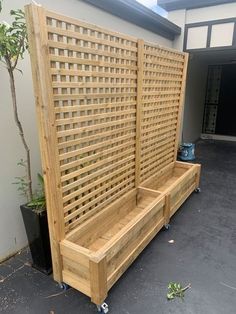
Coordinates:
(194,100)
(12,233)
(178,17)
(216,12)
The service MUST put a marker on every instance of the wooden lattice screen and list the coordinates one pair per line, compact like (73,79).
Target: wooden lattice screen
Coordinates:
(94,97)
(108,108)
(163,79)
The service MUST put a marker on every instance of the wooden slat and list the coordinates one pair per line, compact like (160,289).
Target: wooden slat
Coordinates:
(182,98)
(98,279)
(112,247)
(90,96)
(75,253)
(133,255)
(99,145)
(76,282)
(94,73)
(106,217)
(96,28)
(121,163)
(36,19)
(61,84)
(82,130)
(139,112)
(89,138)
(167,208)
(80,36)
(98,208)
(67,109)
(94,117)
(118,175)
(100,155)
(96,165)
(79,61)
(66,47)
(94,201)
(133,243)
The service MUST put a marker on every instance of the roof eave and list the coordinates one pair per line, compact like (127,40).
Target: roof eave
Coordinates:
(136,13)
(171,5)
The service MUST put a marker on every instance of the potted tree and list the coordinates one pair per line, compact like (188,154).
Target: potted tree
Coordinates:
(13,45)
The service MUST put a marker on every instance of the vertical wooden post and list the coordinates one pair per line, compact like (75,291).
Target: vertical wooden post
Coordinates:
(38,41)
(167,209)
(139,111)
(198,175)
(181,104)
(98,279)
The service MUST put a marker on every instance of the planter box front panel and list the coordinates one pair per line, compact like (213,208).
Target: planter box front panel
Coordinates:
(118,234)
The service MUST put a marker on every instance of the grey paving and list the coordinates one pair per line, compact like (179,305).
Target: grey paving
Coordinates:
(203,254)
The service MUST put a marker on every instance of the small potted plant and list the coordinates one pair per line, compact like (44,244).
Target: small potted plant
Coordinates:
(35,220)
(13,44)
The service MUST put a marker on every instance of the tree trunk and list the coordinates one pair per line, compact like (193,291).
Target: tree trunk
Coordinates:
(21,131)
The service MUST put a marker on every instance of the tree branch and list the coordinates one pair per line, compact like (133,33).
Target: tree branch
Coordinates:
(20,128)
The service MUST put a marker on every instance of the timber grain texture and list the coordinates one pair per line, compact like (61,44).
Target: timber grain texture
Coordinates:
(109,108)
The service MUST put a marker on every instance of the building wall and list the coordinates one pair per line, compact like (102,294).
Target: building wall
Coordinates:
(12,233)
(179,18)
(182,17)
(194,100)
(216,12)
(197,71)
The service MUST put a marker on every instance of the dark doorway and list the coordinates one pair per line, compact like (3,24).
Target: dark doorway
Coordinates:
(226,117)
(220,108)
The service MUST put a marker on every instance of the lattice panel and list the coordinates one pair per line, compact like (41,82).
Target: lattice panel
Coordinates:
(94,81)
(108,107)
(162,80)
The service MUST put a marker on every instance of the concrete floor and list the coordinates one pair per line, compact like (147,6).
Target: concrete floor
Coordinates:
(203,254)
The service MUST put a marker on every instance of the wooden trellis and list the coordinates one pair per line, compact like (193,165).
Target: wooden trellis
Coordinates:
(162,87)
(109,109)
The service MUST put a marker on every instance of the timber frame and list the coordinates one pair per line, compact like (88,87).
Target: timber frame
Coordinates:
(109,108)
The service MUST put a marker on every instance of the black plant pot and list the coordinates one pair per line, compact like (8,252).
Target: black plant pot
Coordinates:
(36,226)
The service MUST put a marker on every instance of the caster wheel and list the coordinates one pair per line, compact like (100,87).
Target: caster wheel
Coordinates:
(197,190)
(103,308)
(167,226)
(64,286)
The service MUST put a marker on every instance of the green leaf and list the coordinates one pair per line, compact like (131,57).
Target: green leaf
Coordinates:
(176,290)
(13,39)
(170,296)
(40,179)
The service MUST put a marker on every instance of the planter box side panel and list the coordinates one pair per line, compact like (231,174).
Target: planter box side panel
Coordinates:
(183,190)
(75,271)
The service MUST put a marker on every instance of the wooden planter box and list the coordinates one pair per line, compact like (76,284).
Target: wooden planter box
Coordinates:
(109,108)
(177,181)
(97,253)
